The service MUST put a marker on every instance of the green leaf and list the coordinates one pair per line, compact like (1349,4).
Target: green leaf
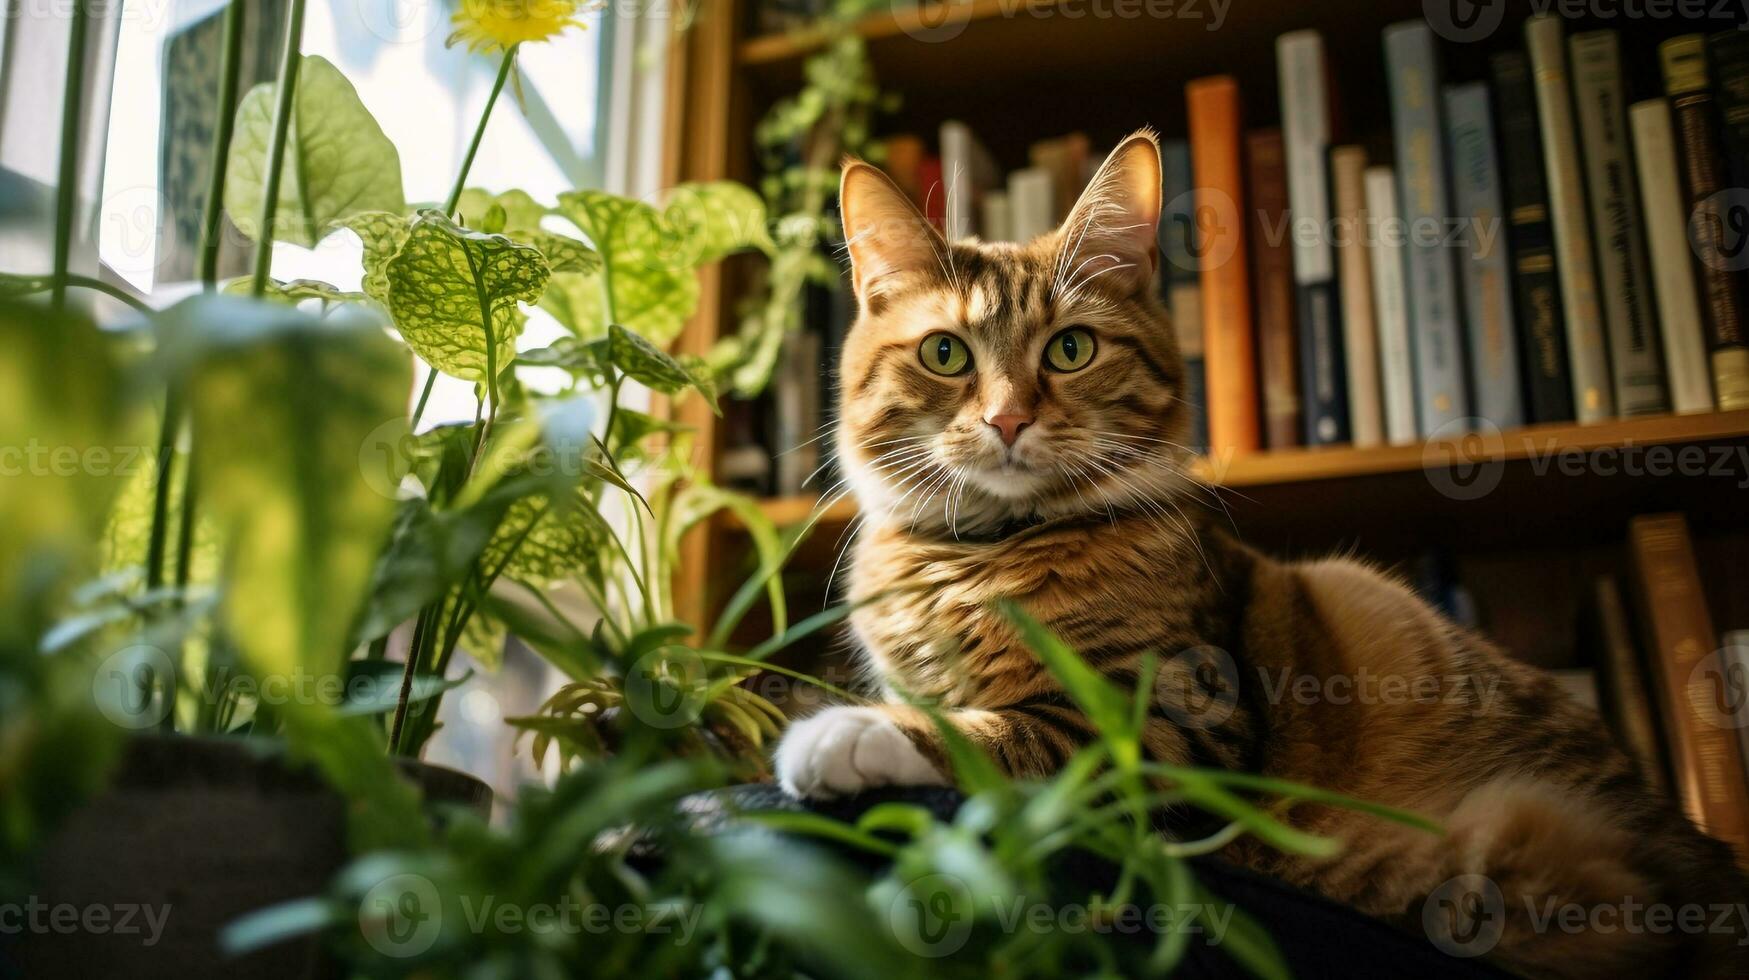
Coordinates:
(294,291)
(382,233)
(653,287)
(644,362)
(517,215)
(59,391)
(282,403)
(373,687)
(337,160)
(1105,705)
(717,218)
(445,285)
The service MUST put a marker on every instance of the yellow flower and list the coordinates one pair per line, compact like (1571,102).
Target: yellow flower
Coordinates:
(503,24)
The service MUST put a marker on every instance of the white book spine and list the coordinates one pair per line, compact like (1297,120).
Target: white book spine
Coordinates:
(956,173)
(995,224)
(1385,240)
(1685,359)
(1031,210)
(1305,131)
(1593,397)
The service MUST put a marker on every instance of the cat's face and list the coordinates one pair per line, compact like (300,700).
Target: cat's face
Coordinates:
(988,383)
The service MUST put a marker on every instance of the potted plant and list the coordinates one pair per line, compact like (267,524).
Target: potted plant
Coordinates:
(233,634)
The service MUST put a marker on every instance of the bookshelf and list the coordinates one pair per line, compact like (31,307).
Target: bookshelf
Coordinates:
(1105,76)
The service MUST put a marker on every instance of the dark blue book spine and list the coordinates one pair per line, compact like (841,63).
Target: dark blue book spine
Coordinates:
(1435,320)
(1323,375)
(1486,264)
(1181,282)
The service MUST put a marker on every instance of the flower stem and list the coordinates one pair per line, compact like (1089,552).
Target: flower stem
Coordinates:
(461,178)
(230,65)
(66,189)
(284,104)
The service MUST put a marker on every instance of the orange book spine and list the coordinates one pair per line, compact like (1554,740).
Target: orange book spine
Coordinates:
(1229,348)
(1704,754)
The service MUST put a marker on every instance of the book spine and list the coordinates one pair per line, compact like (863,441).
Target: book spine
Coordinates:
(1704,754)
(1181,280)
(1228,351)
(1542,340)
(1587,353)
(1359,366)
(1623,685)
(1691,389)
(1703,172)
(1412,64)
(1305,114)
(1728,55)
(1385,240)
(1734,656)
(1486,262)
(1636,366)
(1272,280)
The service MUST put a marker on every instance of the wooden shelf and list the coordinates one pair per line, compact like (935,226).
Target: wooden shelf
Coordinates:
(1308,466)
(943,16)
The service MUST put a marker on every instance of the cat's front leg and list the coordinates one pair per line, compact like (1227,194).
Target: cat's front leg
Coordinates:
(844,750)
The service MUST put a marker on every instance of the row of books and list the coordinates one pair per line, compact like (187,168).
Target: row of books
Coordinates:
(1674,692)
(1541,250)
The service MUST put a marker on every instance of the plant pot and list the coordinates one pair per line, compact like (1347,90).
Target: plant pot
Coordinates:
(190,834)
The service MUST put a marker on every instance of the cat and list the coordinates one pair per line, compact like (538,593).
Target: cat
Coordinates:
(1011,424)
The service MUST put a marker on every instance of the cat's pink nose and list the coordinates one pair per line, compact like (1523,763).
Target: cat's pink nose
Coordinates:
(1009,426)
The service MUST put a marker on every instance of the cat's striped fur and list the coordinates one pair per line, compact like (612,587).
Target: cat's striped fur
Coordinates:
(1089,522)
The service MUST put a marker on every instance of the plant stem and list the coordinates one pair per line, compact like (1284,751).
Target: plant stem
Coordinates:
(66,187)
(230,64)
(285,102)
(461,179)
(424,396)
(155,543)
(95,285)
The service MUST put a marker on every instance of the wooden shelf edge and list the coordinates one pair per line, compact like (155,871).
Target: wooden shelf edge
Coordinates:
(1289,466)
(941,18)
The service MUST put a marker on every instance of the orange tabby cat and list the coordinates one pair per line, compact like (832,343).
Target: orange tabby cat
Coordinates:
(1011,423)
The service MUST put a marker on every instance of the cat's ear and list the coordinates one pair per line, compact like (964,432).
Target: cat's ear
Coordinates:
(890,242)
(1111,231)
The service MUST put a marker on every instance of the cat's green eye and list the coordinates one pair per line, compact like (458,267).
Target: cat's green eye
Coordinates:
(944,354)
(1069,350)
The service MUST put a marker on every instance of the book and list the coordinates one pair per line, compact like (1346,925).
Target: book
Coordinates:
(1703,177)
(1623,684)
(1728,58)
(1705,758)
(1070,162)
(1358,365)
(995,220)
(970,173)
(1587,354)
(1181,280)
(1031,211)
(1272,278)
(934,206)
(1734,661)
(796,410)
(1386,242)
(1624,279)
(1486,261)
(1536,294)
(902,159)
(1412,64)
(1679,317)
(1304,78)
(1214,125)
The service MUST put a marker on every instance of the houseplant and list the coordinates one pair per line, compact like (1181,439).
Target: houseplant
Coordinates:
(296,519)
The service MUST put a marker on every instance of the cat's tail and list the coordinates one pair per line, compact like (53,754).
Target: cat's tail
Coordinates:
(1547,883)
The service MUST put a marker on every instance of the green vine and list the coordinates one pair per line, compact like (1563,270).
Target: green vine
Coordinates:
(801,139)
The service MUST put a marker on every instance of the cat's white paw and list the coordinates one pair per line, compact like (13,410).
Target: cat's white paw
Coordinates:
(841,751)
